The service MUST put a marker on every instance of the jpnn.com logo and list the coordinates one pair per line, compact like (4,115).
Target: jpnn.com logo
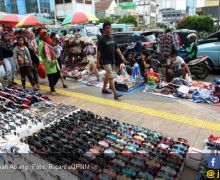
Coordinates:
(214,167)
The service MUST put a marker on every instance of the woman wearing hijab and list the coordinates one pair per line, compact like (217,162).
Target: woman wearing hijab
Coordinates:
(32,47)
(6,57)
(46,54)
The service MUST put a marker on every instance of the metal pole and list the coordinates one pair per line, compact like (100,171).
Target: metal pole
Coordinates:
(55,13)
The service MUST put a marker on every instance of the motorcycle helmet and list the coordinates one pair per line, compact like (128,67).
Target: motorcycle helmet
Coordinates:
(191,35)
(136,35)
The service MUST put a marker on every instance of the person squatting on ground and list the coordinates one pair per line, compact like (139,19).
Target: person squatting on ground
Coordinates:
(6,57)
(144,64)
(176,67)
(106,55)
(46,55)
(24,62)
(130,63)
(58,51)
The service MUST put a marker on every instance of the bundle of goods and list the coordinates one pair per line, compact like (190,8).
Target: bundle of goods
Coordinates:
(124,82)
(112,150)
(79,51)
(178,87)
(210,158)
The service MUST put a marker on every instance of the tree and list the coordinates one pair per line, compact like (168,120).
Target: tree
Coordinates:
(128,19)
(198,23)
(105,20)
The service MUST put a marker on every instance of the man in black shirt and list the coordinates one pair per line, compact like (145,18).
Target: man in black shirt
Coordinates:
(106,54)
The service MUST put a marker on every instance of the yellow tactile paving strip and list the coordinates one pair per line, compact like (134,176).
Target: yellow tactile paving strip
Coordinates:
(200,123)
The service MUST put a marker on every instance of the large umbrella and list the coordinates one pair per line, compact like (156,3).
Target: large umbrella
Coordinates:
(34,21)
(78,18)
(9,19)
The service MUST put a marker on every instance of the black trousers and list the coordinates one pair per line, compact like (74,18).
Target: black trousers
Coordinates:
(53,79)
(26,71)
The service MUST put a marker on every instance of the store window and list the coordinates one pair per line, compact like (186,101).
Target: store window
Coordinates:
(80,1)
(2,6)
(62,1)
(88,1)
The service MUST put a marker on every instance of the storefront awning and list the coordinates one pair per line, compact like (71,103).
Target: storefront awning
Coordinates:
(128,5)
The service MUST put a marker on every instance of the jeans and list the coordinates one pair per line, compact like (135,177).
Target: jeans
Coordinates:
(10,67)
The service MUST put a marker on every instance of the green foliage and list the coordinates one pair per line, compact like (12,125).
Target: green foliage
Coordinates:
(198,23)
(105,20)
(128,19)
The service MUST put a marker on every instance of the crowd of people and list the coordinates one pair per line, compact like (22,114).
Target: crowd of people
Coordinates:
(24,51)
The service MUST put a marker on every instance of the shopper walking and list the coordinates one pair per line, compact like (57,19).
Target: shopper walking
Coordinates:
(106,55)
(32,47)
(24,62)
(6,57)
(46,55)
(58,51)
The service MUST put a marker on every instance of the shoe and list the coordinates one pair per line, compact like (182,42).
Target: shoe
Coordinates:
(53,93)
(105,91)
(65,86)
(14,83)
(116,95)
(36,88)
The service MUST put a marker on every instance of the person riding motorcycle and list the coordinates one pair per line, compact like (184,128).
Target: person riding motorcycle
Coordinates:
(192,49)
(137,45)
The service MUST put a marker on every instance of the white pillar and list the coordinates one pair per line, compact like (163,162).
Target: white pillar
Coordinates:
(38,6)
(73,6)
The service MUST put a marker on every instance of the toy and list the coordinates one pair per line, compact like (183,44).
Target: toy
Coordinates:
(123,72)
(136,72)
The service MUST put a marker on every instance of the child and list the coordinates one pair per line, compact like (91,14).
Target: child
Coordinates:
(58,51)
(24,62)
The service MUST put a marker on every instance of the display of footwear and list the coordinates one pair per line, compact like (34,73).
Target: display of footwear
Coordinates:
(70,135)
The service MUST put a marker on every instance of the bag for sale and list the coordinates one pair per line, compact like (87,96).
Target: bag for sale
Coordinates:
(2,71)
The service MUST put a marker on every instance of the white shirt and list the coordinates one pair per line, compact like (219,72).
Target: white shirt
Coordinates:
(177,64)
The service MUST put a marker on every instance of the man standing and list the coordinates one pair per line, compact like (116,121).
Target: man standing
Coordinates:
(106,54)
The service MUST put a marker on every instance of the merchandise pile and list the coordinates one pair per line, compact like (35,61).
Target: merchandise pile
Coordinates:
(65,135)
(196,91)
(112,149)
(80,51)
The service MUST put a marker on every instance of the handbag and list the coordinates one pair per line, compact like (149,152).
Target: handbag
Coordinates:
(41,71)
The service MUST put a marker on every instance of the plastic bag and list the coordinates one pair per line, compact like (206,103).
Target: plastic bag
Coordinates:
(2,71)
(42,71)
(188,78)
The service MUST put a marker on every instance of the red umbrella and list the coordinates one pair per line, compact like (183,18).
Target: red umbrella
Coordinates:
(9,19)
(79,17)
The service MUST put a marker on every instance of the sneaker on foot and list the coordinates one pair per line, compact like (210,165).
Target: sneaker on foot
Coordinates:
(106,91)
(116,95)
(65,86)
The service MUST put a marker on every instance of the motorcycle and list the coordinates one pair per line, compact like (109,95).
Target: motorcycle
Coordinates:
(199,66)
